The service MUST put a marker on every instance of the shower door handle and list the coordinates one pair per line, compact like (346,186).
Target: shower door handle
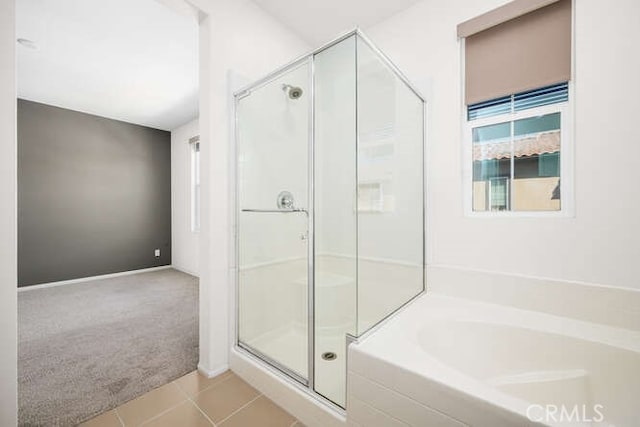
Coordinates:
(294,210)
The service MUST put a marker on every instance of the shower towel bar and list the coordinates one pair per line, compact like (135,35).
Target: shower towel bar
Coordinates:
(277,210)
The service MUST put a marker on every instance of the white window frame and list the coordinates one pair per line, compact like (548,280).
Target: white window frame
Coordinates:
(196,195)
(566,158)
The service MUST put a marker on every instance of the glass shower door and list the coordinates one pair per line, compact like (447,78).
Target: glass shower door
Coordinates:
(273,221)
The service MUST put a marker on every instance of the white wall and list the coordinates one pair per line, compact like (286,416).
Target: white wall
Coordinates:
(599,245)
(185,245)
(235,37)
(8,225)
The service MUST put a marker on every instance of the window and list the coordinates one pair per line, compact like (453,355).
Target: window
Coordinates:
(517,69)
(517,144)
(195,184)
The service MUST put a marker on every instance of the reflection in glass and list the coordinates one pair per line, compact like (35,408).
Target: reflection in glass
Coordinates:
(491,167)
(536,146)
(390,192)
(516,165)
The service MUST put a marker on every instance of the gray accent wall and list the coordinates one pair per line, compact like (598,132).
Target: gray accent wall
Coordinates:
(94,195)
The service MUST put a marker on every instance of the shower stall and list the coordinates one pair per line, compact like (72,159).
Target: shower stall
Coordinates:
(329,208)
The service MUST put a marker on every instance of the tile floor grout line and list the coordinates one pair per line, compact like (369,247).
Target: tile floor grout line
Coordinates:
(206,388)
(203,413)
(187,398)
(190,399)
(148,420)
(241,408)
(168,409)
(183,391)
(196,405)
(118,415)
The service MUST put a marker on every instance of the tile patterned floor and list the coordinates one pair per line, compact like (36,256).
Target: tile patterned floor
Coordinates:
(197,401)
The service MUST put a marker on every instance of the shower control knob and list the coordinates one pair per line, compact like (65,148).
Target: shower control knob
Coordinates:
(285,200)
(303,236)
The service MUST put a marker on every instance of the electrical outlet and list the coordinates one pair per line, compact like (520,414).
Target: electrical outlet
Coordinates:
(157,252)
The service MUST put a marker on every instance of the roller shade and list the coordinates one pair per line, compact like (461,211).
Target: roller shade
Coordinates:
(530,51)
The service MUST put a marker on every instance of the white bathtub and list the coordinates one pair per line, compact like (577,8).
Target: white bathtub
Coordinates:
(446,361)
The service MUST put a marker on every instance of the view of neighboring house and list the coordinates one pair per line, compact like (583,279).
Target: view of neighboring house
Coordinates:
(520,173)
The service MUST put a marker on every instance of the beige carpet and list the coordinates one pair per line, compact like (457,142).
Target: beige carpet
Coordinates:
(89,347)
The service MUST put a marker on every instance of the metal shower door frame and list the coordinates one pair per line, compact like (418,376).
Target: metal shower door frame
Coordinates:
(308,385)
(238,96)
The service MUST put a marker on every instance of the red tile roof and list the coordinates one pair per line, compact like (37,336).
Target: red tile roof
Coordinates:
(546,142)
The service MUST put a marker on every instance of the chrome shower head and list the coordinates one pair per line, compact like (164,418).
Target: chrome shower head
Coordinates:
(293,92)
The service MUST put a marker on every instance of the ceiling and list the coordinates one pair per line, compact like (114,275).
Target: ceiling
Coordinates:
(137,60)
(130,60)
(319,21)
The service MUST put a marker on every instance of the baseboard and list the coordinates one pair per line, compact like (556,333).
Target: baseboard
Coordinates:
(185,270)
(90,278)
(212,373)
